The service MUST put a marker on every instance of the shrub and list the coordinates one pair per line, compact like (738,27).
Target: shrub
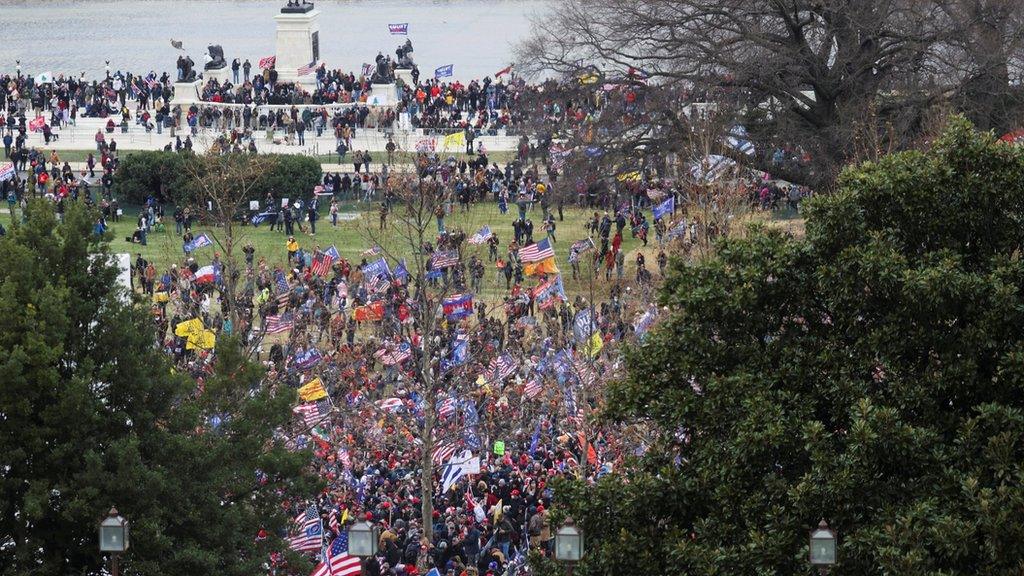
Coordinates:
(168,177)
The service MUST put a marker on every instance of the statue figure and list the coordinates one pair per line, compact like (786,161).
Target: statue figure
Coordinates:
(297,7)
(404,54)
(383,74)
(217,61)
(186,73)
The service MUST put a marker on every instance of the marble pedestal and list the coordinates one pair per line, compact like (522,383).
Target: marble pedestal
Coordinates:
(383,95)
(187,93)
(405,76)
(221,75)
(298,44)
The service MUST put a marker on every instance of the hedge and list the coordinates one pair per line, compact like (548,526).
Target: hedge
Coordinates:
(168,177)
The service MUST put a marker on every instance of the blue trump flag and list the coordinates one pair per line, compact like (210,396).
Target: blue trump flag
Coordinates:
(665,208)
(444,71)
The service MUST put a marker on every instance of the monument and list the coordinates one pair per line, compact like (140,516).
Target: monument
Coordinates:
(216,67)
(187,89)
(298,41)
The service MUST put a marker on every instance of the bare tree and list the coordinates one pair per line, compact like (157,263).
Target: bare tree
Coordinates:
(803,76)
(223,185)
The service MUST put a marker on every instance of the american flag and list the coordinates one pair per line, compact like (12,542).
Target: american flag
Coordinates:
(578,247)
(481,236)
(280,281)
(343,456)
(390,404)
(323,261)
(377,284)
(375,250)
(585,373)
(444,259)
(311,533)
(338,562)
(446,408)
(442,452)
(533,388)
(536,252)
(307,69)
(394,355)
(313,414)
(279,323)
(501,367)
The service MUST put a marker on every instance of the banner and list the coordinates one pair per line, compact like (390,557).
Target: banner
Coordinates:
(666,208)
(312,390)
(201,241)
(444,71)
(370,312)
(6,171)
(399,29)
(458,306)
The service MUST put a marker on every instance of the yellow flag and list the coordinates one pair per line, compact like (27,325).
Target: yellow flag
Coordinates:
(455,140)
(594,345)
(344,517)
(188,326)
(312,391)
(546,266)
(204,339)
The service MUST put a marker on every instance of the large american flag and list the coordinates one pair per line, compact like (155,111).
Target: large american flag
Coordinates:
(442,452)
(391,355)
(444,259)
(313,414)
(337,561)
(323,261)
(536,252)
(446,408)
(279,323)
(307,69)
(311,533)
(501,367)
(533,388)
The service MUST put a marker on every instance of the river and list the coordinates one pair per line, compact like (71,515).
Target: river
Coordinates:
(74,36)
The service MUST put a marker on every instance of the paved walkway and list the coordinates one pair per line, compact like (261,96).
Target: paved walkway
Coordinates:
(82,137)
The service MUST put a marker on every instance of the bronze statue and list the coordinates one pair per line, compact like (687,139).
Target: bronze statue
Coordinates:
(297,7)
(216,58)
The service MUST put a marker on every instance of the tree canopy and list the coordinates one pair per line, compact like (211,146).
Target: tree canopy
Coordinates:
(869,373)
(815,84)
(91,416)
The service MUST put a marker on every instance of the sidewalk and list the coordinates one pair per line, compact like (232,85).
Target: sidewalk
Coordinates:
(82,137)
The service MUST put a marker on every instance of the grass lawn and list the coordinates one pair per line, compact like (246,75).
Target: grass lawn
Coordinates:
(359,231)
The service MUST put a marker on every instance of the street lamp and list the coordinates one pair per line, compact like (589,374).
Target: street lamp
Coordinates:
(569,544)
(107,64)
(17,66)
(362,539)
(823,547)
(113,537)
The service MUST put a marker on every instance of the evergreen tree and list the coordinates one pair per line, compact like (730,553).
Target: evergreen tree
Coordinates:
(870,373)
(93,416)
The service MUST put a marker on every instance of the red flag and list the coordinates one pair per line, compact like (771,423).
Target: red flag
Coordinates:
(503,71)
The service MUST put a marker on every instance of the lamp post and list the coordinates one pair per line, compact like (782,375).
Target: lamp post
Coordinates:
(569,544)
(17,66)
(107,64)
(362,540)
(823,547)
(114,538)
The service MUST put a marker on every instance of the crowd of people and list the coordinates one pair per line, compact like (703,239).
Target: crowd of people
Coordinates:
(514,377)
(513,365)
